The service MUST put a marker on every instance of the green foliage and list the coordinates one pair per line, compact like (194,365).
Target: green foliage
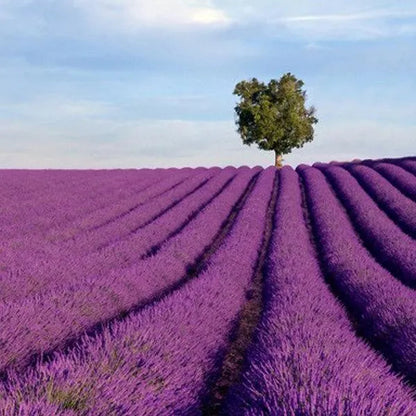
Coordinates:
(274,115)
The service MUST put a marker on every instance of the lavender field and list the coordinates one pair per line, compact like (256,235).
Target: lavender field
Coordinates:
(209,291)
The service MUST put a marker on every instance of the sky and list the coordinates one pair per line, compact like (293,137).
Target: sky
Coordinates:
(139,83)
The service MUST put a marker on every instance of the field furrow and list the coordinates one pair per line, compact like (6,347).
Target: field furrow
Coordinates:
(404,181)
(306,359)
(209,291)
(157,190)
(144,359)
(408,164)
(241,336)
(393,248)
(37,262)
(74,268)
(56,207)
(128,223)
(47,322)
(398,207)
(382,308)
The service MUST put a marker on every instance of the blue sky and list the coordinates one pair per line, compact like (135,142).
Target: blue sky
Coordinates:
(134,83)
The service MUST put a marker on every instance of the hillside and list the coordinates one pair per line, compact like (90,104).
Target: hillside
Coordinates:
(237,291)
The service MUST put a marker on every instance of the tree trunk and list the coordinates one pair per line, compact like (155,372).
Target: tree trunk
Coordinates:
(278,161)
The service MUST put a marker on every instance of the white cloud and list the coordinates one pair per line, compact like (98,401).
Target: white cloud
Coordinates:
(371,15)
(314,21)
(323,20)
(138,14)
(372,24)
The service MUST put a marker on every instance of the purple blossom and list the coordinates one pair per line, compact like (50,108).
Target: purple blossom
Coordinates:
(387,242)
(306,358)
(121,291)
(140,365)
(400,178)
(383,309)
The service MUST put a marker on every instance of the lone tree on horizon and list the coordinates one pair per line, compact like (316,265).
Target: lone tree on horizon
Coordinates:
(274,115)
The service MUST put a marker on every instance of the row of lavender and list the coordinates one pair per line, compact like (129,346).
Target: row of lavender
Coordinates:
(66,308)
(306,357)
(43,248)
(55,257)
(142,359)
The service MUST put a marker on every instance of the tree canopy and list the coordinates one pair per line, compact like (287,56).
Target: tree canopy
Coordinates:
(274,116)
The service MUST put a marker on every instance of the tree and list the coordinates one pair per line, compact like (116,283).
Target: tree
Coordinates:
(274,115)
